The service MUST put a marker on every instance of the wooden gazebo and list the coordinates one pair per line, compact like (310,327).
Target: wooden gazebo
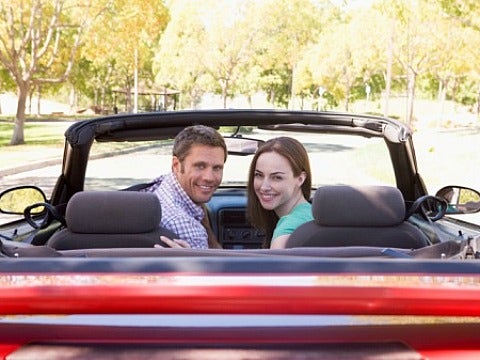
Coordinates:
(161,99)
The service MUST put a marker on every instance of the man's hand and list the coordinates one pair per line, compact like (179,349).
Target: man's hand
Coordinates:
(173,243)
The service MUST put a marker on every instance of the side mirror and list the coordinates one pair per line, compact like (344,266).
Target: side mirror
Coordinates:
(461,200)
(15,200)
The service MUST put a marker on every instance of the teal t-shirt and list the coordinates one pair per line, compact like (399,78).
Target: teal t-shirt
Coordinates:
(287,224)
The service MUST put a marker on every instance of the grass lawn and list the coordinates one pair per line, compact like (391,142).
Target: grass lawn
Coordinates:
(43,139)
(35,133)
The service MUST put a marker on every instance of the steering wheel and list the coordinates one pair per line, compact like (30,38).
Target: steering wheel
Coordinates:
(431,208)
(50,214)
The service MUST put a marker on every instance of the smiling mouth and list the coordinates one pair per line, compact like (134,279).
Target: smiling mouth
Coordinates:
(267,197)
(206,187)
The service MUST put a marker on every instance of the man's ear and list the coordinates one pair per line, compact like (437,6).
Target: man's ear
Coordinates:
(175,165)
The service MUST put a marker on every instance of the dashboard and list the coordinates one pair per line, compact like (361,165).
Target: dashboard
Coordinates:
(227,211)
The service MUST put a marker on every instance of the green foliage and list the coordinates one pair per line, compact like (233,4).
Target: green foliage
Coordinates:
(284,48)
(6,81)
(467,195)
(332,101)
(276,84)
(467,92)
(465,12)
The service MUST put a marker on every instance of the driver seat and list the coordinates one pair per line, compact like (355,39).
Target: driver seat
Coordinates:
(358,216)
(111,219)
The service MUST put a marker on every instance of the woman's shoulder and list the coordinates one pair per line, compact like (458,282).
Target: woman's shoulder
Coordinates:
(304,208)
(302,212)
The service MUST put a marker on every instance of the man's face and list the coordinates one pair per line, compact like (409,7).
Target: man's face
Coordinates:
(201,171)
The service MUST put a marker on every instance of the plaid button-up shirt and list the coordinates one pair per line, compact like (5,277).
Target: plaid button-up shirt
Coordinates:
(179,213)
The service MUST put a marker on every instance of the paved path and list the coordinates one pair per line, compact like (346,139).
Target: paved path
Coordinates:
(15,159)
(445,157)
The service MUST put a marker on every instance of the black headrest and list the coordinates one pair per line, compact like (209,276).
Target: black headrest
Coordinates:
(113,212)
(369,206)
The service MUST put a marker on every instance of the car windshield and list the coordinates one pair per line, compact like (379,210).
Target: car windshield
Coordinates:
(334,159)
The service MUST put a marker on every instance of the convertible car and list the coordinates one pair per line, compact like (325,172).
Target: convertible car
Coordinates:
(386,270)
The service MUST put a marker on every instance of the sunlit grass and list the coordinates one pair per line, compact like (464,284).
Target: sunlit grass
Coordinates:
(38,136)
(35,133)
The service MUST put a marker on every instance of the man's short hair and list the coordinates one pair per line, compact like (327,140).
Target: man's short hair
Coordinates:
(197,135)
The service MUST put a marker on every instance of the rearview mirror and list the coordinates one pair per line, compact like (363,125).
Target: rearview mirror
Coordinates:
(242,146)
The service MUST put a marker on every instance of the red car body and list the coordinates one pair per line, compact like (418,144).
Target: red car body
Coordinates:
(419,315)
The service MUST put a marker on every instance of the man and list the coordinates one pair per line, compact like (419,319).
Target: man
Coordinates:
(199,155)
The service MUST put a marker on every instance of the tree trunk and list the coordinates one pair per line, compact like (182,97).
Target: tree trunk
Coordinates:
(28,110)
(128,99)
(478,104)
(412,76)
(291,101)
(272,97)
(18,133)
(347,98)
(442,98)
(102,101)
(224,93)
(389,71)
(39,95)
(72,99)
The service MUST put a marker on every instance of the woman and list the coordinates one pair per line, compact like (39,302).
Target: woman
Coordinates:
(279,186)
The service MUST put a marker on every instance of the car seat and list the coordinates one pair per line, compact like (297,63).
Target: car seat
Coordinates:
(111,219)
(358,216)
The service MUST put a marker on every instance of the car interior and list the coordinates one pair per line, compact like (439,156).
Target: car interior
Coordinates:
(96,208)
(367,221)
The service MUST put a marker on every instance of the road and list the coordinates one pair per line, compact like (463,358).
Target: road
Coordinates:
(444,157)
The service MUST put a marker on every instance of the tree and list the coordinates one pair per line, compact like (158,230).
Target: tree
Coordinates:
(228,50)
(414,47)
(467,14)
(289,27)
(176,62)
(346,57)
(38,44)
(337,71)
(205,50)
(452,57)
(123,44)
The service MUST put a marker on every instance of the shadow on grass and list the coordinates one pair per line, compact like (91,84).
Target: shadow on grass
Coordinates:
(35,134)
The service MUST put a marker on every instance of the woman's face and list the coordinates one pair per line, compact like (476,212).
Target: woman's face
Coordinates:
(275,184)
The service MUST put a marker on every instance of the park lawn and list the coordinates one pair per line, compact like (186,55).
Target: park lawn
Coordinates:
(35,134)
(43,141)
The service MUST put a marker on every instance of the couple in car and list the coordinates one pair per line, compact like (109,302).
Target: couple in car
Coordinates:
(279,185)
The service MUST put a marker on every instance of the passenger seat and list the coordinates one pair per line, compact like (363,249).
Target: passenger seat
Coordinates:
(358,216)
